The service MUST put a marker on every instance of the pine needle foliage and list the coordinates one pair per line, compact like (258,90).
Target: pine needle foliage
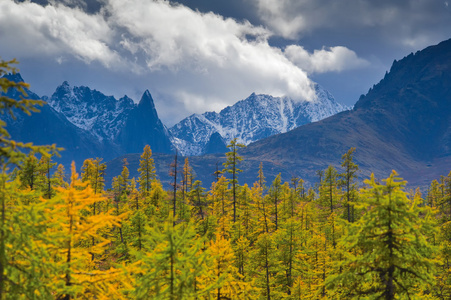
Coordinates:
(388,255)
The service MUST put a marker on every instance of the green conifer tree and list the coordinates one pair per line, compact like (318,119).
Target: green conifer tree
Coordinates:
(275,194)
(146,171)
(93,172)
(231,166)
(44,179)
(348,178)
(174,266)
(29,172)
(388,255)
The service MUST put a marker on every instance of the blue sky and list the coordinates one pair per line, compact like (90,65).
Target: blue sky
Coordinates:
(199,55)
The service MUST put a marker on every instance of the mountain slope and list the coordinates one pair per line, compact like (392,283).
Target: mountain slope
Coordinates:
(143,127)
(252,119)
(50,127)
(86,123)
(403,123)
(122,123)
(101,115)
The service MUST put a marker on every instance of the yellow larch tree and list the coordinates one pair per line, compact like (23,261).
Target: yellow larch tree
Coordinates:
(76,275)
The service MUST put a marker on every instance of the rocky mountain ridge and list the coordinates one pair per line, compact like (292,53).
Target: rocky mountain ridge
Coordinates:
(119,126)
(403,123)
(91,110)
(251,119)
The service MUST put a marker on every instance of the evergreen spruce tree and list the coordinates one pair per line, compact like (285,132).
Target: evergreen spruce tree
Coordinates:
(261,209)
(288,246)
(348,178)
(93,172)
(434,194)
(264,262)
(173,173)
(231,166)
(59,177)
(29,172)
(329,191)
(187,179)
(247,221)
(388,255)
(44,180)
(275,192)
(198,200)
(146,171)
(124,178)
(175,265)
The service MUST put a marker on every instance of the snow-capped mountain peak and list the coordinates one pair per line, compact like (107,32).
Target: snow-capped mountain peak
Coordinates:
(91,110)
(251,119)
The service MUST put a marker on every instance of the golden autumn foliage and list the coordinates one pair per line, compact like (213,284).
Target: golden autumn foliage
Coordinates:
(87,244)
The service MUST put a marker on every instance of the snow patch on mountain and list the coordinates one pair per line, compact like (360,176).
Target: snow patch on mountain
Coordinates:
(252,119)
(91,110)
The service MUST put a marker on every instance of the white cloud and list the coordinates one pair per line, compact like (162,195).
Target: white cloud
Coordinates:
(278,15)
(395,21)
(334,59)
(233,57)
(293,19)
(194,61)
(28,29)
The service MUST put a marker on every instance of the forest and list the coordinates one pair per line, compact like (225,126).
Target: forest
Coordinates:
(64,235)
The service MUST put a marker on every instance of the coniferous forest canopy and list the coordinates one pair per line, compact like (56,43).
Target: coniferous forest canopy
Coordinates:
(63,235)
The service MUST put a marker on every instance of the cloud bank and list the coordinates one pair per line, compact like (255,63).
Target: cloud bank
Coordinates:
(196,61)
(412,23)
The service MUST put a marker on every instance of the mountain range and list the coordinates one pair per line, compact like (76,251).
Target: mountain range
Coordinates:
(87,123)
(250,120)
(403,123)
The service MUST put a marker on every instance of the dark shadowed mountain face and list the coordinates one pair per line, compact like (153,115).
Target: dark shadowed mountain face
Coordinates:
(143,127)
(120,122)
(416,100)
(216,144)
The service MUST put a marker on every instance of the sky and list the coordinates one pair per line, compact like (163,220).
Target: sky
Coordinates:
(203,55)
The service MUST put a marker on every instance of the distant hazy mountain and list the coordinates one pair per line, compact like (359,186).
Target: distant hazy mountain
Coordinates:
(143,127)
(250,120)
